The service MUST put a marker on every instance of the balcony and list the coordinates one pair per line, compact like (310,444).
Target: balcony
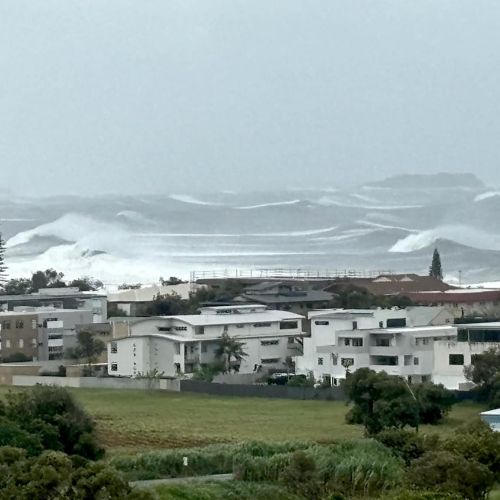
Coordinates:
(384,350)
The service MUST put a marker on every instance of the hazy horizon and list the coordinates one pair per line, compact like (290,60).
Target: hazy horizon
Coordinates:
(187,96)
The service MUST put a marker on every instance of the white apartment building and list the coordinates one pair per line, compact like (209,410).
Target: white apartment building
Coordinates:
(180,344)
(400,342)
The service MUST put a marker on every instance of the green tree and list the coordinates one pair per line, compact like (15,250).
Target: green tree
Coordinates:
(53,414)
(86,284)
(484,371)
(434,402)
(435,268)
(167,305)
(230,349)
(88,348)
(3,267)
(49,278)
(17,286)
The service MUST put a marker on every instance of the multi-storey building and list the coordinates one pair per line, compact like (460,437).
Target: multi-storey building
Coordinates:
(39,333)
(60,298)
(399,342)
(181,344)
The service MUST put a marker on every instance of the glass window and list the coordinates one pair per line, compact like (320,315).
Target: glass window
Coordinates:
(114,347)
(288,325)
(354,325)
(321,323)
(456,359)
(320,361)
(415,360)
(114,367)
(270,342)
(357,342)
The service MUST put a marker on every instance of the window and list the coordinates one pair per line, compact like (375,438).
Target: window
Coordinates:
(347,362)
(288,325)
(239,325)
(291,340)
(6,325)
(357,342)
(164,329)
(261,325)
(21,343)
(415,360)
(320,361)
(347,341)
(382,342)
(19,323)
(407,359)
(177,348)
(225,329)
(354,325)
(114,367)
(181,328)
(322,323)
(334,359)
(456,359)
(270,342)
(396,322)
(204,347)
(114,348)
(200,330)
(269,361)
(381,324)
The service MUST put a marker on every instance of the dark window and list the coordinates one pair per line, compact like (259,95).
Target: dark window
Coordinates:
(6,325)
(19,323)
(320,361)
(456,359)
(114,347)
(415,360)
(321,323)
(270,342)
(114,367)
(200,330)
(396,322)
(354,325)
(381,324)
(164,329)
(347,341)
(270,361)
(357,342)
(288,325)
(347,362)
(261,325)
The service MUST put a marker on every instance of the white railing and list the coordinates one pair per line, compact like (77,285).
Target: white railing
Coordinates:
(280,273)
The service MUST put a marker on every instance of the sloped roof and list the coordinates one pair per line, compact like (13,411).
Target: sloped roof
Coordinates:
(456,296)
(305,296)
(148,293)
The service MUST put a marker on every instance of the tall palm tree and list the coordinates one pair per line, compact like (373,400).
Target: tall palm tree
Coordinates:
(230,348)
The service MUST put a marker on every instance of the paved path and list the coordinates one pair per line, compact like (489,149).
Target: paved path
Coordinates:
(193,479)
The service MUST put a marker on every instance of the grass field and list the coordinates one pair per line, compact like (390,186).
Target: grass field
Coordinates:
(130,420)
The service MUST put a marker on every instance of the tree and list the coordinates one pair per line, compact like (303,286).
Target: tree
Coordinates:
(484,371)
(52,414)
(229,348)
(384,401)
(17,286)
(167,305)
(88,348)
(86,284)
(3,267)
(435,268)
(49,278)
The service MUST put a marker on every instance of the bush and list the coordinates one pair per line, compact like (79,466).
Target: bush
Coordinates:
(434,402)
(301,476)
(406,445)
(59,421)
(12,435)
(477,441)
(446,472)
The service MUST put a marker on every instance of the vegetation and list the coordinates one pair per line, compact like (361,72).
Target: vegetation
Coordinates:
(383,401)
(435,269)
(228,349)
(86,284)
(16,357)
(88,348)
(485,373)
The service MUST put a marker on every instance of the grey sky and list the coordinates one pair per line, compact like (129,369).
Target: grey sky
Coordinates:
(162,95)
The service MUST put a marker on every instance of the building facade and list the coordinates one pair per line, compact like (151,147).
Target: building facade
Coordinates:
(177,345)
(399,342)
(39,333)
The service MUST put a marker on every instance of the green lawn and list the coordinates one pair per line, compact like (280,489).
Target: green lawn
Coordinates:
(130,420)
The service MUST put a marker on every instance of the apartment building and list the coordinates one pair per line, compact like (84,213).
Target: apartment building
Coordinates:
(39,333)
(181,344)
(60,298)
(399,342)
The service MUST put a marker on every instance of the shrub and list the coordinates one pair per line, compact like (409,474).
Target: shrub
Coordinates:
(269,469)
(406,445)
(449,473)
(61,422)
(301,476)
(477,441)
(13,435)
(434,402)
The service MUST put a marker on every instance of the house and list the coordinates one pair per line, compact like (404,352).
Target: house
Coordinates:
(392,284)
(181,344)
(60,298)
(492,418)
(135,301)
(462,302)
(39,333)
(287,296)
(397,341)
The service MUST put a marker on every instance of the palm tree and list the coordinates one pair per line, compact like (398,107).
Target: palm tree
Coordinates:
(228,349)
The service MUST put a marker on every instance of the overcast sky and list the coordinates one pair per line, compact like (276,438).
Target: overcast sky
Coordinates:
(169,96)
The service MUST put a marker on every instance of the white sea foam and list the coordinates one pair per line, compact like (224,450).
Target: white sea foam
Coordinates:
(386,226)
(487,195)
(328,201)
(273,204)
(185,198)
(464,235)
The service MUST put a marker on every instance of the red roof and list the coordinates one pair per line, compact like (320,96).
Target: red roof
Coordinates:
(455,297)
